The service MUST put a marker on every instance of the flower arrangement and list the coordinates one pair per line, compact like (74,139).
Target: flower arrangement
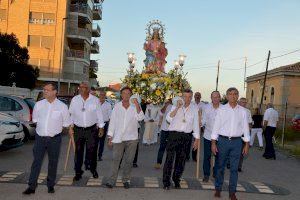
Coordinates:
(156,87)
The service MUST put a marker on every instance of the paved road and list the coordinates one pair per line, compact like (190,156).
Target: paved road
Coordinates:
(279,177)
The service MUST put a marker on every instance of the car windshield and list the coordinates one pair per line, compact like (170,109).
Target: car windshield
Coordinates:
(297,116)
(30,102)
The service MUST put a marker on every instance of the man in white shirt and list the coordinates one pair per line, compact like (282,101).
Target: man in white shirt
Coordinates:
(50,116)
(164,133)
(270,124)
(208,120)
(230,128)
(123,136)
(151,124)
(201,106)
(184,124)
(87,127)
(106,111)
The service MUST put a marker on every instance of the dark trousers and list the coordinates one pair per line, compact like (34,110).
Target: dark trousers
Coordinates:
(162,147)
(102,141)
(86,138)
(41,145)
(269,150)
(136,154)
(207,159)
(241,157)
(228,149)
(178,145)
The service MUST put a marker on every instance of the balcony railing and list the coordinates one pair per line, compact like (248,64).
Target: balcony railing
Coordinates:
(77,54)
(96,30)
(82,8)
(97,11)
(80,32)
(42,21)
(94,64)
(95,47)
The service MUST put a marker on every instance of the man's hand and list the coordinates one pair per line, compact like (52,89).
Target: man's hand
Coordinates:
(196,144)
(101,132)
(109,142)
(214,148)
(245,149)
(71,131)
(179,104)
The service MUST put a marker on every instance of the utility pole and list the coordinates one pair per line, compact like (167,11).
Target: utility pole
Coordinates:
(264,85)
(245,73)
(218,72)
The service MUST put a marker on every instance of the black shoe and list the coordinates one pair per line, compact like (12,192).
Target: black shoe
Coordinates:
(108,185)
(29,191)
(99,159)
(134,165)
(51,190)
(77,177)
(239,169)
(166,187)
(95,174)
(205,179)
(228,166)
(177,185)
(126,185)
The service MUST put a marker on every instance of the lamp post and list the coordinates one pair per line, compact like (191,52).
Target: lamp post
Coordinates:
(181,60)
(131,60)
(180,63)
(61,54)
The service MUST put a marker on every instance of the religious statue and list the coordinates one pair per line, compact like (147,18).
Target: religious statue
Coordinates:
(155,47)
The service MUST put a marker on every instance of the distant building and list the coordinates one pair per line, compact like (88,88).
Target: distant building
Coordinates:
(59,36)
(283,84)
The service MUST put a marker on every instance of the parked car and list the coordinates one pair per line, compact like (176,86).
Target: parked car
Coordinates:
(296,122)
(66,99)
(20,108)
(11,131)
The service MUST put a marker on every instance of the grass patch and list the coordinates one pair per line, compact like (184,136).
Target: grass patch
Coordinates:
(290,134)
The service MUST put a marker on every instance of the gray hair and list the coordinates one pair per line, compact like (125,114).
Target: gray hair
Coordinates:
(86,83)
(231,89)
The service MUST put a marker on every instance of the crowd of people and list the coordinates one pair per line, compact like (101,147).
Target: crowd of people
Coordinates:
(228,132)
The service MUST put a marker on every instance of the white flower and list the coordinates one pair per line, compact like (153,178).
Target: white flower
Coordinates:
(153,86)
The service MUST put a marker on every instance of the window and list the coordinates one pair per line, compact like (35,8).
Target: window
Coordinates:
(2,14)
(34,41)
(48,18)
(45,64)
(252,96)
(17,106)
(47,42)
(41,18)
(34,62)
(6,104)
(272,95)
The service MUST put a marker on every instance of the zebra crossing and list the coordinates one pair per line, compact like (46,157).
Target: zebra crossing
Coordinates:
(143,182)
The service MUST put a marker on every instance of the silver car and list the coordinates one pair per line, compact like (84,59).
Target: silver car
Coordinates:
(20,108)
(11,131)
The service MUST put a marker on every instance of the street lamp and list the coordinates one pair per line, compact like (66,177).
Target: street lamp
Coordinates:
(176,64)
(131,60)
(181,60)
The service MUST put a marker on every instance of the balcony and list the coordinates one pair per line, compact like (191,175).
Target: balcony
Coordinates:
(85,14)
(94,65)
(95,49)
(75,70)
(97,12)
(96,30)
(78,35)
(78,55)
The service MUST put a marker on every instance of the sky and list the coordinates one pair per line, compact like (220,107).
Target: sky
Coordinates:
(205,31)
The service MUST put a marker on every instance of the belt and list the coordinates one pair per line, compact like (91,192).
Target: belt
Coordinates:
(85,128)
(229,138)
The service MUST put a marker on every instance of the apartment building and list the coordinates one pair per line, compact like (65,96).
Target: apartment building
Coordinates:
(59,34)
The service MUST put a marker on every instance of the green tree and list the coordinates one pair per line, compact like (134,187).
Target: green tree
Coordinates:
(92,73)
(224,99)
(14,63)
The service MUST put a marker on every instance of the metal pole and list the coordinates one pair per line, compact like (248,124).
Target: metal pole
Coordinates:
(284,122)
(61,53)
(218,72)
(245,73)
(264,85)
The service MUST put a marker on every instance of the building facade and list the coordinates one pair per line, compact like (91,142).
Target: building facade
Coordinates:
(60,36)
(282,85)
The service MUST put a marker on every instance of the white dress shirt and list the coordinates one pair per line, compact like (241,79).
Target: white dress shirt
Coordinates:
(152,113)
(86,113)
(106,110)
(201,106)
(50,117)
(123,124)
(186,120)
(249,116)
(164,123)
(271,116)
(231,122)
(208,119)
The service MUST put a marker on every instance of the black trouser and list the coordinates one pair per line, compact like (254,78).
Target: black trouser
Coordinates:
(163,144)
(178,145)
(269,150)
(41,145)
(102,141)
(86,137)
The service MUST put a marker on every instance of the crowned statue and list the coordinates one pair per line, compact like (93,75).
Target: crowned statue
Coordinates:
(155,47)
